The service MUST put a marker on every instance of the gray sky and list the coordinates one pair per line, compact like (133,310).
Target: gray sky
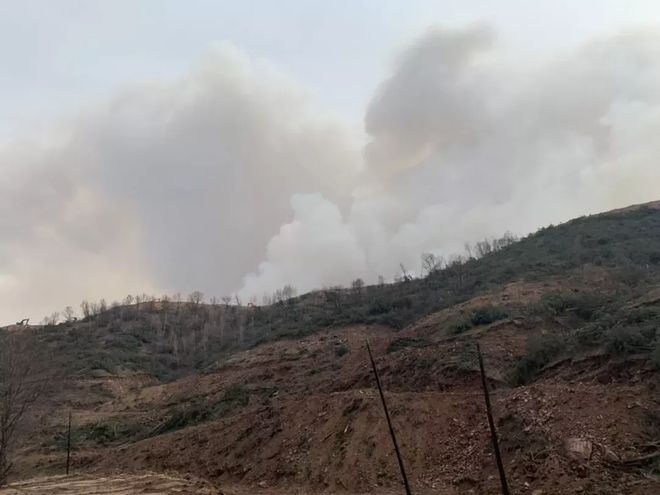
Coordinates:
(166,146)
(60,55)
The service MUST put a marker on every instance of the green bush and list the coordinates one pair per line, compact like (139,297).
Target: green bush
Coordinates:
(484,315)
(461,326)
(102,434)
(402,343)
(541,350)
(379,307)
(341,350)
(621,341)
(201,410)
(655,356)
(584,305)
(487,315)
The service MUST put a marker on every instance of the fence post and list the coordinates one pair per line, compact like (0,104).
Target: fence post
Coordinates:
(68,446)
(491,424)
(389,422)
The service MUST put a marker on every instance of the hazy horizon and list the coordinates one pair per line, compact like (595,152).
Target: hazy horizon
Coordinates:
(166,147)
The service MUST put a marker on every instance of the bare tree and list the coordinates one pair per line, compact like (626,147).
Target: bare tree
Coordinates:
(84,307)
(357,285)
(431,263)
(164,310)
(468,250)
(506,240)
(176,299)
(483,248)
(405,276)
(196,298)
(288,292)
(138,301)
(94,308)
(68,314)
(334,296)
(52,319)
(240,320)
(21,384)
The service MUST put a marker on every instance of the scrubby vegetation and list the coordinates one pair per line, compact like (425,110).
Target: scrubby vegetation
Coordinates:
(541,350)
(402,343)
(204,409)
(480,316)
(169,337)
(102,434)
(593,320)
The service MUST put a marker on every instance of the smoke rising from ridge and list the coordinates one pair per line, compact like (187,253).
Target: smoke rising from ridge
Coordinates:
(233,179)
(459,150)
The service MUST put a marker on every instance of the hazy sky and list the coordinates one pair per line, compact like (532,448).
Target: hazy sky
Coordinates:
(60,55)
(237,146)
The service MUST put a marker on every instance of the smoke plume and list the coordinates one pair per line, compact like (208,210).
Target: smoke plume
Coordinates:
(233,179)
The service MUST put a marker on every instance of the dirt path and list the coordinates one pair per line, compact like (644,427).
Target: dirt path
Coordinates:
(146,484)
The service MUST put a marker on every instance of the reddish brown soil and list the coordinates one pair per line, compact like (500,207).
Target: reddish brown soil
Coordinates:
(314,423)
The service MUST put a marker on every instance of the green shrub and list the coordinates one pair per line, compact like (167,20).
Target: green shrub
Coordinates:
(102,434)
(541,350)
(487,315)
(621,341)
(341,350)
(584,305)
(201,410)
(379,307)
(402,343)
(655,356)
(484,315)
(461,326)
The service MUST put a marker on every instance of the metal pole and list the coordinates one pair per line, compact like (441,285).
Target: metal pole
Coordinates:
(389,423)
(491,424)
(68,446)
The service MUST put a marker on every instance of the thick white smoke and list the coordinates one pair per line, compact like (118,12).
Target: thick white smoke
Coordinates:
(461,149)
(166,187)
(232,179)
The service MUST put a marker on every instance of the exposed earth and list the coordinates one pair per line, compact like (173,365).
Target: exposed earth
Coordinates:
(576,402)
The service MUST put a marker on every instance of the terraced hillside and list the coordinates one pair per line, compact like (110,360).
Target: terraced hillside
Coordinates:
(280,399)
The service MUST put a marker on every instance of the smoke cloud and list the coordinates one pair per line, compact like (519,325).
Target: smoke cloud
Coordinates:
(233,179)
(462,148)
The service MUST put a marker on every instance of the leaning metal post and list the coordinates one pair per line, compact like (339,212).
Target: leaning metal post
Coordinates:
(389,423)
(491,424)
(68,445)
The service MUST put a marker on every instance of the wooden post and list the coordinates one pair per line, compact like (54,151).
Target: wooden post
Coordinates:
(389,423)
(68,446)
(491,424)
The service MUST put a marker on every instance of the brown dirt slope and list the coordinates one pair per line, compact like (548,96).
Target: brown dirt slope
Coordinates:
(312,421)
(572,351)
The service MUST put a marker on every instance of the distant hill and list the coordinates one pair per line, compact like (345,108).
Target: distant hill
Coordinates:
(280,397)
(171,340)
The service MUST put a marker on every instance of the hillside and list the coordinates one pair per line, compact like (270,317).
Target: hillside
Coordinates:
(280,399)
